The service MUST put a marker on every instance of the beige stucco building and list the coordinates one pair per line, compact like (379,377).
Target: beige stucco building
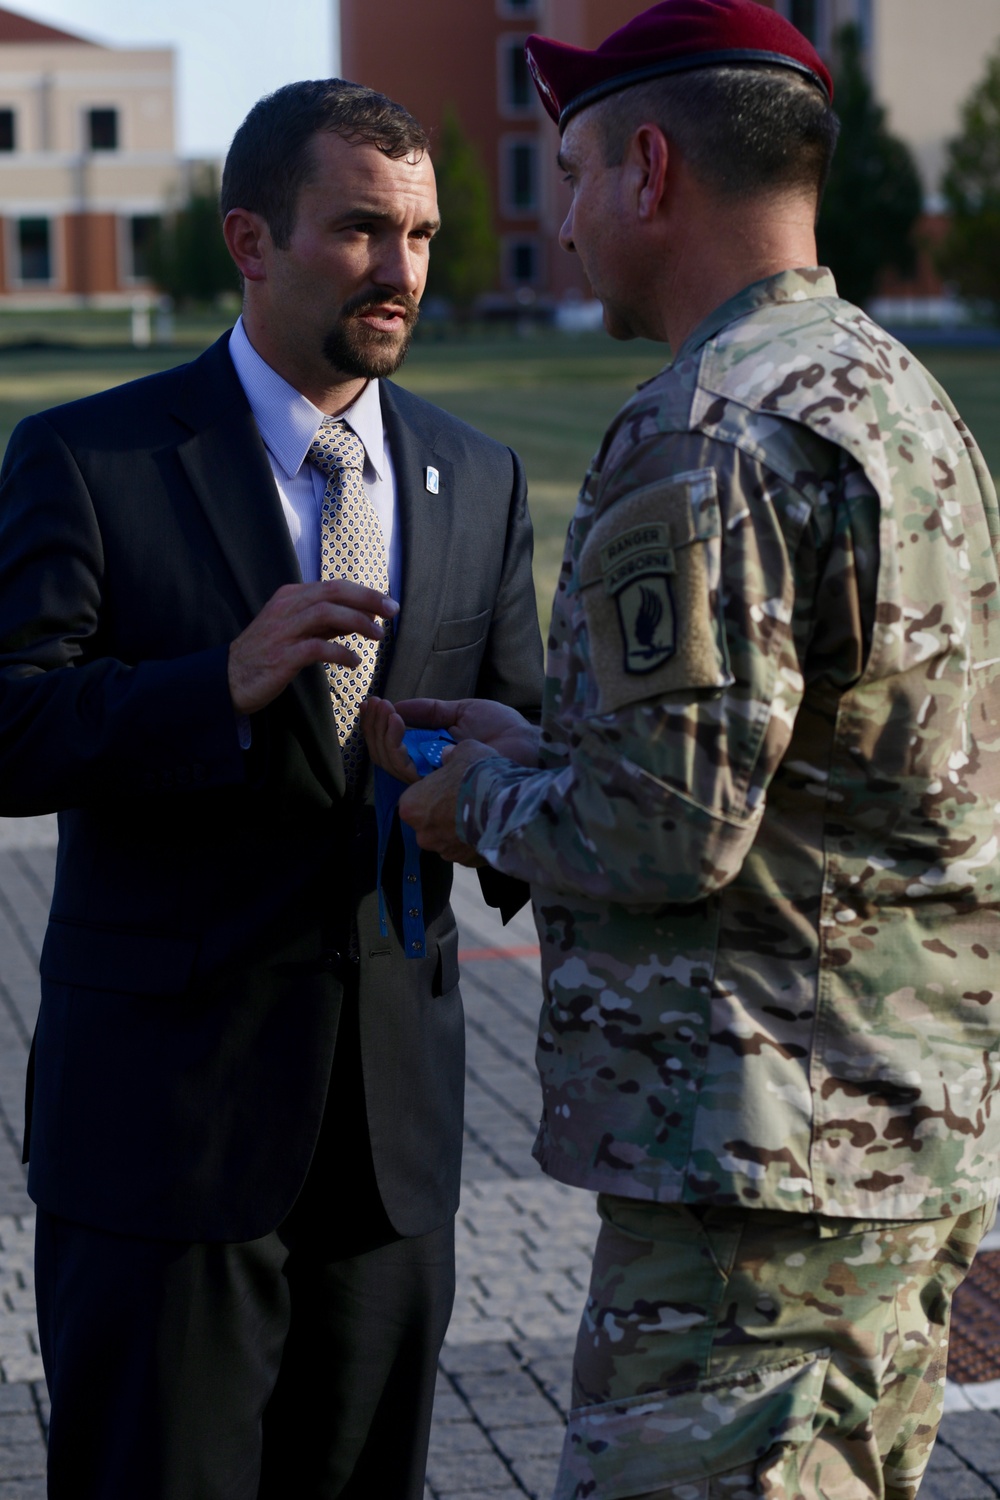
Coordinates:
(924,57)
(87,163)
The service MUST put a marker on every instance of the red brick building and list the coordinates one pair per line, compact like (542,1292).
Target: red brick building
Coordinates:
(468,53)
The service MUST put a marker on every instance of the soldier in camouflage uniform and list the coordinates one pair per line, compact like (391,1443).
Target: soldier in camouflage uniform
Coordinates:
(761,829)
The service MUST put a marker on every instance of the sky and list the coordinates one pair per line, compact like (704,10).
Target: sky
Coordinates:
(228,52)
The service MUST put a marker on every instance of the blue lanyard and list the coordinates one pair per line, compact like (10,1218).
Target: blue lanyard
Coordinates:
(425,748)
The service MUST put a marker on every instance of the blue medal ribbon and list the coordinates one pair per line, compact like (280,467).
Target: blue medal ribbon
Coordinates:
(425,748)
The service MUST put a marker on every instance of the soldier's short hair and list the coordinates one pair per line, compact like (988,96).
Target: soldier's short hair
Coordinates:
(742,130)
(271,157)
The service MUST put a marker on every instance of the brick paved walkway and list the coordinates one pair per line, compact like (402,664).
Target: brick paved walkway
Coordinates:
(523,1241)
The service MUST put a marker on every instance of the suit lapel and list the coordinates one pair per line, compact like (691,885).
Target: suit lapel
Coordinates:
(227,467)
(427,528)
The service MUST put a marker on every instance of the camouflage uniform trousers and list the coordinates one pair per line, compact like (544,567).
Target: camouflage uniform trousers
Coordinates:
(734,1353)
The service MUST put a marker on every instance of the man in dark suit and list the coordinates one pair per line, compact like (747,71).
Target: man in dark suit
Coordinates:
(246,1099)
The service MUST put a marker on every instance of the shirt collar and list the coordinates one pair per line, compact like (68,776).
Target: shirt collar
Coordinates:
(288,421)
(788,286)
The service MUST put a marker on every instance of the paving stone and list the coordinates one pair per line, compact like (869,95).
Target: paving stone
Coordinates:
(556,1381)
(538,1474)
(449,1407)
(516,1411)
(15,1398)
(484,1492)
(447,1472)
(22,1461)
(486,1358)
(956,1485)
(944,1459)
(971,1429)
(515,1443)
(19,1426)
(460,1437)
(508,1384)
(41,1396)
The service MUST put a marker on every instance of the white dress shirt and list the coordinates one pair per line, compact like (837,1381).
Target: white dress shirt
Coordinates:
(288,422)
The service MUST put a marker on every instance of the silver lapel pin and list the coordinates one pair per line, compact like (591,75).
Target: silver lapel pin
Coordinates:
(432,480)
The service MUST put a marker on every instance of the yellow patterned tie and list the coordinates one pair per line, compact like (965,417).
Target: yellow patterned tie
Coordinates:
(351,546)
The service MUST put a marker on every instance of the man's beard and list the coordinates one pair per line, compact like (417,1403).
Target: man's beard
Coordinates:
(353,348)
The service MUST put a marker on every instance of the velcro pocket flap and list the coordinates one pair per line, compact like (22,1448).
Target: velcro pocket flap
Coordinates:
(127,962)
(621,1449)
(650,575)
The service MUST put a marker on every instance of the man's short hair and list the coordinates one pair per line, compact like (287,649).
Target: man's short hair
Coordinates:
(742,130)
(271,157)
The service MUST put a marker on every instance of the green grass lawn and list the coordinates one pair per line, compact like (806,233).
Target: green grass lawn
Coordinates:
(548,396)
(551,397)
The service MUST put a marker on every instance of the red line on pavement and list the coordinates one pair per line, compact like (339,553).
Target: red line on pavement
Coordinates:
(470,955)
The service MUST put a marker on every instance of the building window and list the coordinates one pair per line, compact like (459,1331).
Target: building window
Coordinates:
(143,230)
(523,262)
(102,129)
(8,139)
(805,15)
(517,92)
(34,248)
(521,175)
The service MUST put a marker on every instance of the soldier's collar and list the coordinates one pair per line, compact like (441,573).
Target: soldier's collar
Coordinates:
(788,286)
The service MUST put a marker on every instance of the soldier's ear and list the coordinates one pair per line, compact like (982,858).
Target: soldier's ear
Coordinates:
(648,156)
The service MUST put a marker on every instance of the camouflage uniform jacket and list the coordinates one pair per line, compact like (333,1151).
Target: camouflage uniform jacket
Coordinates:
(763,840)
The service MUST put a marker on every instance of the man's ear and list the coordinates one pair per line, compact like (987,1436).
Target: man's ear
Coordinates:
(248,240)
(649,156)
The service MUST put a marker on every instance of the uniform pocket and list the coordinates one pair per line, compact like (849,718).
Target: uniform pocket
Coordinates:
(650,574)
(731,1420)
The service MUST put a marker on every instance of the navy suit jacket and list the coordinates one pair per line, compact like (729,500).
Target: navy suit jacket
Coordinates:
(192,968)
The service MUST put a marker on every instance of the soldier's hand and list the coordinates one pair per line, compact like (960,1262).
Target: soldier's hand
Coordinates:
(296,627)
(383,731)
(503,729)
(430,805)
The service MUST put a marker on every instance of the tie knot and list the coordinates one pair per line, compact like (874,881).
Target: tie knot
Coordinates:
(335,448)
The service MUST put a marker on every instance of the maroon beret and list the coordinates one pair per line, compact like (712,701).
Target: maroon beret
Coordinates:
(671,37)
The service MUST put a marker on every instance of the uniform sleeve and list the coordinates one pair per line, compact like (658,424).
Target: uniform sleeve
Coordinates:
(77,725)
(701,591)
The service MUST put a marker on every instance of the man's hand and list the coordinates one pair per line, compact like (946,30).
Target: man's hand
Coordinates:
(503,729)
(294,629)
(383,730)
(429,806)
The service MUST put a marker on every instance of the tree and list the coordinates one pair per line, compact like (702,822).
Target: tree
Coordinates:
(874,196)
(464,252)
(188,258)
(970,253)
